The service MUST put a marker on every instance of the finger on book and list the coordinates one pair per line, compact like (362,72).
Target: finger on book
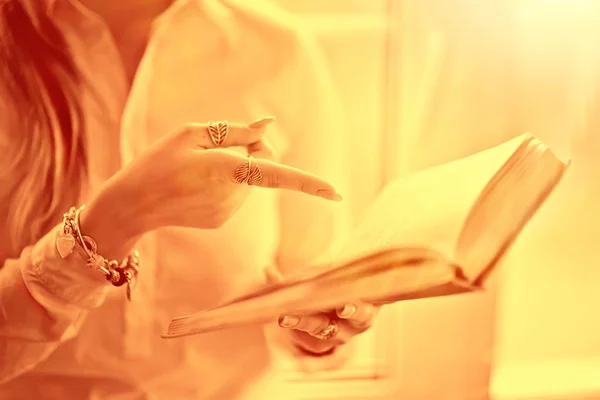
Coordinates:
(310,323)
(358,314)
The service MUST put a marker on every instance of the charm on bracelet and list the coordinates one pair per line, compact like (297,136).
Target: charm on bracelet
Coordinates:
(117,274)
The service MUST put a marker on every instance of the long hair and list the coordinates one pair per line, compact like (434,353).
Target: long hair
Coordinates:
(44,165)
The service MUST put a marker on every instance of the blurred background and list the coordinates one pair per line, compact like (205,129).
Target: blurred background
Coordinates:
(425,82)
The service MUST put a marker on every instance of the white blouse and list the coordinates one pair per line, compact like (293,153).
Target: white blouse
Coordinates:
(69,336)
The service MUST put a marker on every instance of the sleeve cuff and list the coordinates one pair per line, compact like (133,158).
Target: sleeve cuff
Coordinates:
(49,277)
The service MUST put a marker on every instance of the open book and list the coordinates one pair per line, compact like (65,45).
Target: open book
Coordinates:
(437,232)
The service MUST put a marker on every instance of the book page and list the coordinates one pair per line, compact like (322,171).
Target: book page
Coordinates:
(428,208)
(470,209)
(507,203)
(425,209)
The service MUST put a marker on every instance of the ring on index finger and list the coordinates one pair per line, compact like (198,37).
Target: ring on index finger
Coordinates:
(248,173)
(218,132)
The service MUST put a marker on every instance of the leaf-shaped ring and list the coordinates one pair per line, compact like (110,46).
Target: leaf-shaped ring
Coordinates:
(248,173)
(218,132)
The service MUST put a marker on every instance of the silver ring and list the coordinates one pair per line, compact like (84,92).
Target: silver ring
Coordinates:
(328,333)
(218,132)
(248,173)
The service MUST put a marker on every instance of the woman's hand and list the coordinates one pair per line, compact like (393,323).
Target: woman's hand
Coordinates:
(190,178)
(320,333)
(187,180)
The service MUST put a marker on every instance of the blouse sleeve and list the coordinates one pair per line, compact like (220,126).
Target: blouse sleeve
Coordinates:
(43,302)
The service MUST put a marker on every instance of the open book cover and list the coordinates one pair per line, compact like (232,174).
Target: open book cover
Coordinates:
(437,232)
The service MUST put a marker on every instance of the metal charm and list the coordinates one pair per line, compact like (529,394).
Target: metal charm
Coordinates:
(65,244)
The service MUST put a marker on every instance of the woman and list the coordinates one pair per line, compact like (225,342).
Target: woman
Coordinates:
(69,69)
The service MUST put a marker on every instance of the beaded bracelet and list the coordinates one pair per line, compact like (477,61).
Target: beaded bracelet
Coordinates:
(116,273)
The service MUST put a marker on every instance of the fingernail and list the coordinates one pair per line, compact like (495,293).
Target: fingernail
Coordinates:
(259,123)
(347,311)
(329,195)
(288,321)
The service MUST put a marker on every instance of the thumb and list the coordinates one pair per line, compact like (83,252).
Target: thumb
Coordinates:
(273,275)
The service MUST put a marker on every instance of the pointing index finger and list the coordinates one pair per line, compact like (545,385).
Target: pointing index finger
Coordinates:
(269,174)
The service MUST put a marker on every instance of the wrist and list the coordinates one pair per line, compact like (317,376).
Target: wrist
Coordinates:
(113,224)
